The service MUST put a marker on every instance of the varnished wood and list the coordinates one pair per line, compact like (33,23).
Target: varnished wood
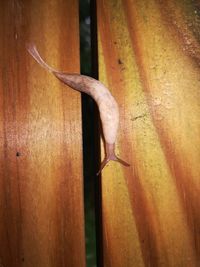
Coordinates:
(41,194)
(149,58)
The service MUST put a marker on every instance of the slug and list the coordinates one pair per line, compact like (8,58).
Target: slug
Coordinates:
(108,107)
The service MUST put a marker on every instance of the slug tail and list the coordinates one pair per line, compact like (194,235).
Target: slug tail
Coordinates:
(110,155)
(35,54)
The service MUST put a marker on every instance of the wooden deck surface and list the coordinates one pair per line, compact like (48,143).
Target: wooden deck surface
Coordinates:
(41,194)
(149,57)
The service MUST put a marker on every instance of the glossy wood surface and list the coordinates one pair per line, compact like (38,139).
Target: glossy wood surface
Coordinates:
(41,194)
(149,57)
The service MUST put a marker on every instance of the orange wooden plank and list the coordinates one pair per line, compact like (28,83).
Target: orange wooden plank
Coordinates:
(41,194)
(149,58)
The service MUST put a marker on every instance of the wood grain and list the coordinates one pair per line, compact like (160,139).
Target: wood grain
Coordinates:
(41,194)
(149,58)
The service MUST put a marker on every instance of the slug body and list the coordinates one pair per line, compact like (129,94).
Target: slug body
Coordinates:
(108,107)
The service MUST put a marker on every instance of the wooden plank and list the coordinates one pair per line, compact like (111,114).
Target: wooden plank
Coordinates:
(41,194)
(149,58)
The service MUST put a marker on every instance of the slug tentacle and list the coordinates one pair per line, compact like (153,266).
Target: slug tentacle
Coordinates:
(110,155)
(108,107)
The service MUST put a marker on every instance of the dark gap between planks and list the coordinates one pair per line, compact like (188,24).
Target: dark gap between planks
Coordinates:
(91,137)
